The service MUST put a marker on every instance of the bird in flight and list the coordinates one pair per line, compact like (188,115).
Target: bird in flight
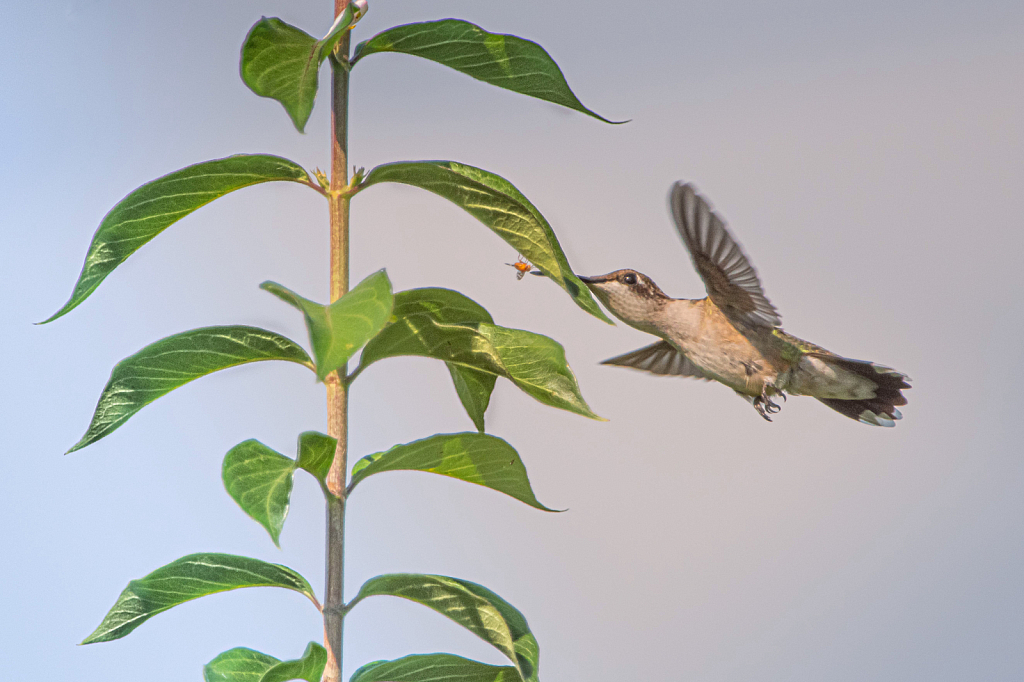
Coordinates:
(733,336)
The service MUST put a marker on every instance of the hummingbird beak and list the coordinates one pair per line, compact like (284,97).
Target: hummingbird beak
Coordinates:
(597,285)
(598,282)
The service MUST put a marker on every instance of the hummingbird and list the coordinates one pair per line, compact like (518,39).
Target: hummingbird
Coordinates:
(733,336)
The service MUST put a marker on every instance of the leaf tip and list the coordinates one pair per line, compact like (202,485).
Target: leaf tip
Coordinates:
(92,638)
(64,310)
(77,446)
(601,118)
(282,292)
(275,532)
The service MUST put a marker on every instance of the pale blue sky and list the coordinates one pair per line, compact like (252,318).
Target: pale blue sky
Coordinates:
(867,155)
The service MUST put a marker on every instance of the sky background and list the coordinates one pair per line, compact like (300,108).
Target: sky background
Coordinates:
(867,155)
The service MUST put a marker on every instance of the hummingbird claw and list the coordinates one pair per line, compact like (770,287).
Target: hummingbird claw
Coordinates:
(765,406)
(759,405)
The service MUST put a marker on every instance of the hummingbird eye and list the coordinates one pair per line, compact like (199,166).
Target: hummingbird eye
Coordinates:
(629,279)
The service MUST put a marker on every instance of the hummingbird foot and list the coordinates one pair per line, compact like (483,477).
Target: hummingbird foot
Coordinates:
(760,409)
(765,406)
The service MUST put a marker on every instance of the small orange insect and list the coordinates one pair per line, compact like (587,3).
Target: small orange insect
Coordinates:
(522,267)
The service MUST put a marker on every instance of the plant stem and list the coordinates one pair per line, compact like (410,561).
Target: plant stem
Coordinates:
(337,386)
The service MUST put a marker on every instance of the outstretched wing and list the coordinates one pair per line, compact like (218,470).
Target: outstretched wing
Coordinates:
(730,279)
(659,358)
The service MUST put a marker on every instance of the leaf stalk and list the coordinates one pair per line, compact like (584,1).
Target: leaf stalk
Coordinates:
(356,372)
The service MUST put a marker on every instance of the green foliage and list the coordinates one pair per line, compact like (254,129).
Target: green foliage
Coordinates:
(247,665)
(337,331)
(316,452)
(161,367)
(282,62)
(533,362)
(496,203)
(474,457)
(188,578)
(239,665)
(152,208)
(506,61)
(259,479)
(472,606)
(309,667)
(442,306)
(474,389)
(431,668)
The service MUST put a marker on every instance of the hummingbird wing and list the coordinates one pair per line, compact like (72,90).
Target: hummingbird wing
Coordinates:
(730,279)
(660,358)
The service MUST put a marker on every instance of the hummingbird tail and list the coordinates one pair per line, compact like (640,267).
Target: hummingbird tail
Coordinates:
(880,410)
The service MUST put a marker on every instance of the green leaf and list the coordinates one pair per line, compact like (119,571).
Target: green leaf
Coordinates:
(474,457)
(474,389)
(342,23)
(496,203)
(316,452)
(533,362)
(472,606)
(536,364)
(152,208)
(246,665)
(238,665)
(310,667)
(506,61)
(161,367)
(259,479)
(338,330)
(191,577)
(443,305)
(433,668)
(282,62)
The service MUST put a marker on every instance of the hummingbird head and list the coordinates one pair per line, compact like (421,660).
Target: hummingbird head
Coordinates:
(631,296)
